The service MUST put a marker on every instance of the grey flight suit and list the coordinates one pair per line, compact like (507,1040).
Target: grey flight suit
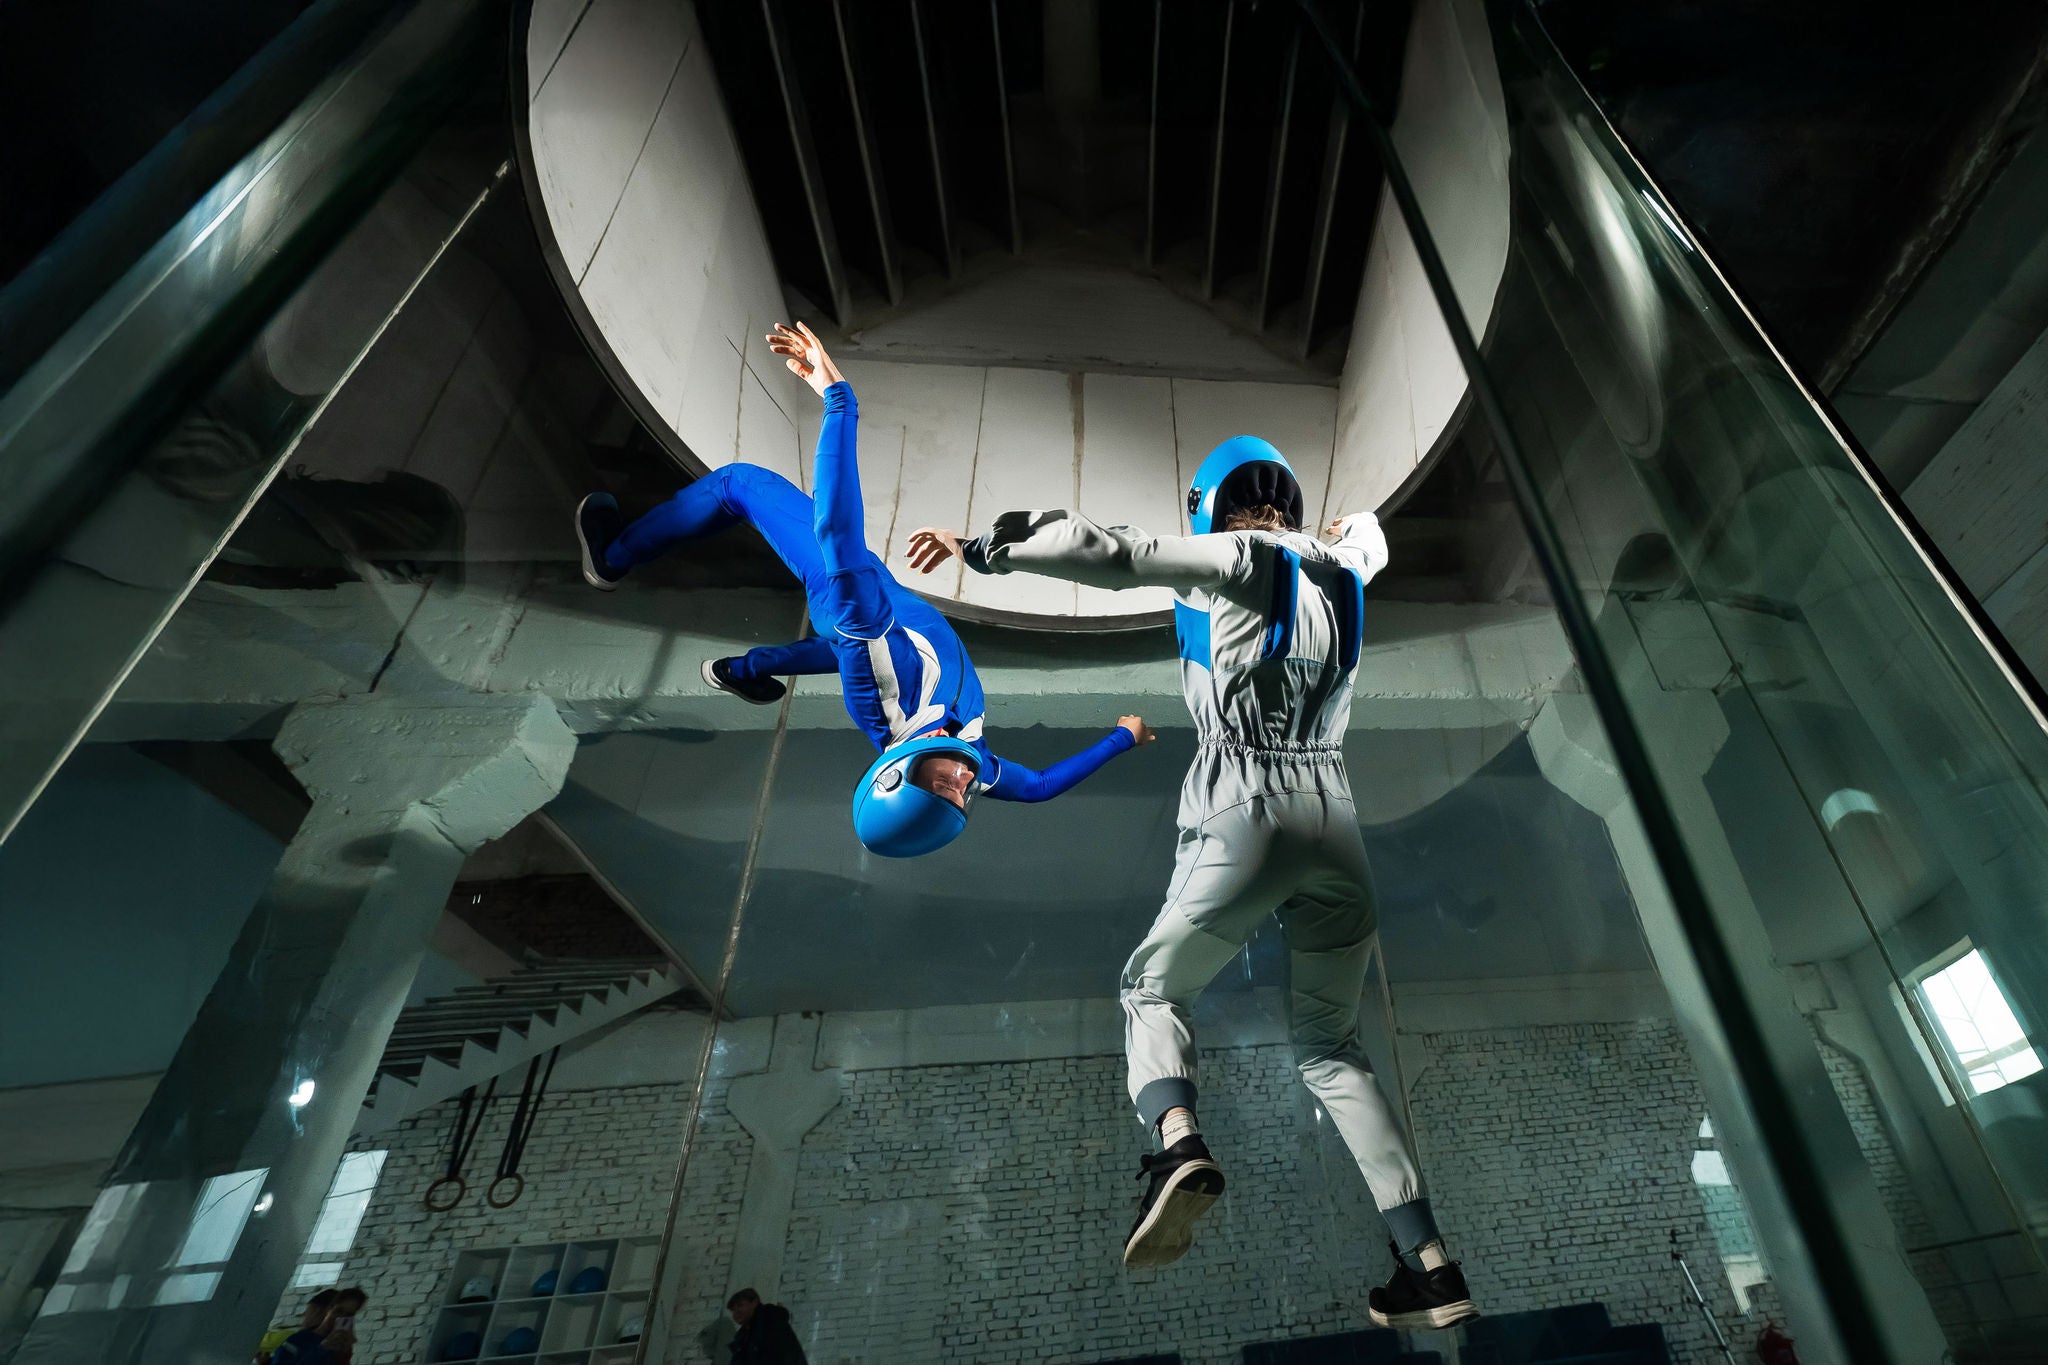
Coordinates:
(1268,628)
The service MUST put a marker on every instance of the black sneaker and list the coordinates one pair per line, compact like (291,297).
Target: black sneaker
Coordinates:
(1421,1298)
(1185,1181)
(760,691)
(598,524)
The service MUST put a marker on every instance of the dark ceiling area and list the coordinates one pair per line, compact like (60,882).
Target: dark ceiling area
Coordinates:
(898,146)
(1823,149)
(88,87)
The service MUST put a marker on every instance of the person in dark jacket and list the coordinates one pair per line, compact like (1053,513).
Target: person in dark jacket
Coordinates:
(308,1345)
(765,1336)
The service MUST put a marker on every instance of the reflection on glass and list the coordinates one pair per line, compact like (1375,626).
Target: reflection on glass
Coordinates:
(1975,1020)
(290,960)
(222,1210)
(341,1214)
(1858,781)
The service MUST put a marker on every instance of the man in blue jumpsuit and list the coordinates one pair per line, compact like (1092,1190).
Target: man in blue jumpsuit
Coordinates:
(906,677)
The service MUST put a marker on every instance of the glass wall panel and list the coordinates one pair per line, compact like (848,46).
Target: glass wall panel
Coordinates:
(134,445)
(370,939)
(1855,772)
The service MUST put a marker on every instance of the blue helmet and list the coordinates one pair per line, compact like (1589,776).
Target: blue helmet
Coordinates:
(1244,471)
(896,819)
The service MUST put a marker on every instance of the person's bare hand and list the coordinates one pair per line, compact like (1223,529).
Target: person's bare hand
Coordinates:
(1334,529)
(805,355)
(1140,731)
(930,547)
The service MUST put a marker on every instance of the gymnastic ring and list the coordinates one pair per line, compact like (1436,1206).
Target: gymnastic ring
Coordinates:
(518,1188)
(461,1188)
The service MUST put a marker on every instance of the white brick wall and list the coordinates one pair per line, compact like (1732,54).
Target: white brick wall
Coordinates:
(1560,1159)
(714,1185)
(600,1163)
(975,1212)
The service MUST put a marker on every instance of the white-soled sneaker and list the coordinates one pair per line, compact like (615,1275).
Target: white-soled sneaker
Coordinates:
(759,691)
(1184,1182)
(598,523)
(1421,1298)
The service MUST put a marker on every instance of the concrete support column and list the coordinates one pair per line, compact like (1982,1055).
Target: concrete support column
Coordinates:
(1684,731)
(271,1077)
(776,1107)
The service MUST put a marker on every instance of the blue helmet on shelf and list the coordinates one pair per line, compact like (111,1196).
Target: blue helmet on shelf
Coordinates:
(898,819)
(520,1341)
(545,1285)
(1242,472)
(589,1280)
(463,1346)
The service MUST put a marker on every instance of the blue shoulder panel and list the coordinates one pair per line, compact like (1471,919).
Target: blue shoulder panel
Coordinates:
(1350,601)
(1191,633)
(1346,591)
(1280,611)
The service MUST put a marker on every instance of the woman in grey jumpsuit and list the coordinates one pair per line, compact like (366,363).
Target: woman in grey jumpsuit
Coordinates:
(1268,623)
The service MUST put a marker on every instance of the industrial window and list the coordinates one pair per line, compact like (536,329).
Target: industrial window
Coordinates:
(1978,1029)
(341,1213)
(1727,1219)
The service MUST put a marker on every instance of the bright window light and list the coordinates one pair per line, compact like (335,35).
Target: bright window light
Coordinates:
(341,1216)
(348,1199)
(315,1274)
(1977,1023)
(218,1216)
(109,1212)
(187,1286)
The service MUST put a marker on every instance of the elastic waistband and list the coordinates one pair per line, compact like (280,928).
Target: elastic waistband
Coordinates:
(1317,750)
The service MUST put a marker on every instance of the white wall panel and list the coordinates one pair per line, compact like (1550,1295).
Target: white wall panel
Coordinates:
(553,21)
(767,435)
(1402,379)
(935,413)
(647,286)
(592,117)
(1128,474)
(1026,449)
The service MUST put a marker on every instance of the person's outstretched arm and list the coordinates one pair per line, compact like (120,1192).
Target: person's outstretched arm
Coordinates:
(838,517)
(1015,782)
(1360,543)
(1069,546)
(835,476)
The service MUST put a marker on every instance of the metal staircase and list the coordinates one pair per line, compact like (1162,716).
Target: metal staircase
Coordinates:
(444,1045)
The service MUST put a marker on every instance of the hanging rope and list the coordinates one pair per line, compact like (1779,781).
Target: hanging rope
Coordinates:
(530,1096)
(469,1121)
